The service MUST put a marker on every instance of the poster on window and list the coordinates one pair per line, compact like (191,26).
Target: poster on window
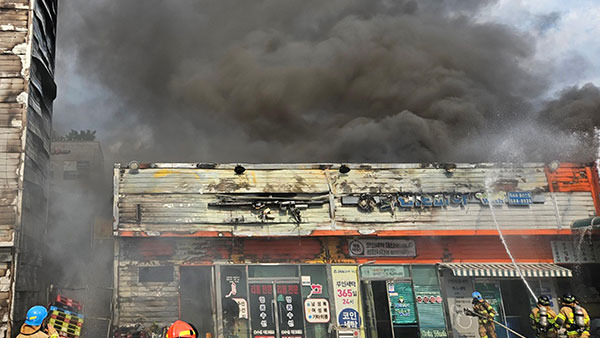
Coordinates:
(289,309)
(262,310)
(402,303)
(347,298)
(458,292)
(234,298)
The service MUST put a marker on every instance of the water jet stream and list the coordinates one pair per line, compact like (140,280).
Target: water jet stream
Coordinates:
(488,192)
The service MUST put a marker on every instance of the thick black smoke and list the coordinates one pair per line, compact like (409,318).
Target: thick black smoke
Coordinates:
(275,81)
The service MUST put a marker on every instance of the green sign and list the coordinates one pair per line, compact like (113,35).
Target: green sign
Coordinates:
(402,303)
(431,311)
(383,271)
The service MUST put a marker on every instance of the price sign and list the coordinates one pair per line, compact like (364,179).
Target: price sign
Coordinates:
(316,310)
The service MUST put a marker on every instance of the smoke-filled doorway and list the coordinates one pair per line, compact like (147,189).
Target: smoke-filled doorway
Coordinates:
(517,304)
(195,297)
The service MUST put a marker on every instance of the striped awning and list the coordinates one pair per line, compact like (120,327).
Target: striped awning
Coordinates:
(507,270)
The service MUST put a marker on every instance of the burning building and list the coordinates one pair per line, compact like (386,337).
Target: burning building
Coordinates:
(27,90)
(307,250)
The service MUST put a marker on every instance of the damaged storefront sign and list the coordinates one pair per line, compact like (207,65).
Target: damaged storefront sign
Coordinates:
(570,252)
(368,202)
(382,248)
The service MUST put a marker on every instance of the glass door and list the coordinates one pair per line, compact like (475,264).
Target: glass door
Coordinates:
(289,310)
(276,310)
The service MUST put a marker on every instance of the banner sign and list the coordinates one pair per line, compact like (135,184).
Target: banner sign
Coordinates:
(573,252)
(382,248)
(402,303)
(347,301)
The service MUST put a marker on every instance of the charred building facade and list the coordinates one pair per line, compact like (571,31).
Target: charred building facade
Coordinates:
(360,250)
(27,90)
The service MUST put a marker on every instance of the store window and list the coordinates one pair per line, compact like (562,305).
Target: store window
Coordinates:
(70,170)
(158,274)
(234,301)
(257,271)
(315,295)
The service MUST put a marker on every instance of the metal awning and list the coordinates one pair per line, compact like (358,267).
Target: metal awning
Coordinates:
(507,270)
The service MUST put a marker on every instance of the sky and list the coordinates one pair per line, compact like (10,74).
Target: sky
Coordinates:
(567,34)
(271,82)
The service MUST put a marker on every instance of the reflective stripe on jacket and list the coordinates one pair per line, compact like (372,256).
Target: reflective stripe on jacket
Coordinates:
(534,318)
(566,319)
(28,331)
(484,309)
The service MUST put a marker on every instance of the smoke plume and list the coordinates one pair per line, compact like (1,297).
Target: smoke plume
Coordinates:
(279,81)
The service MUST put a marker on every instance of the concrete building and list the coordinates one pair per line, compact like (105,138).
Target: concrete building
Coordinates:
(76,165)
(368,250)
(27,90)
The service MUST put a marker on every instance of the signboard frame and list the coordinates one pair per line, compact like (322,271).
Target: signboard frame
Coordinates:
(382,247)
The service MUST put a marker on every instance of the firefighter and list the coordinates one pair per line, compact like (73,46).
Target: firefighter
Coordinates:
(573,317)
(33,327)
(486,314)
(542,318)
(181,329)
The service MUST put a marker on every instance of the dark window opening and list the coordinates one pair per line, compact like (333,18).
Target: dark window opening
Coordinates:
(159,274)
(70,175)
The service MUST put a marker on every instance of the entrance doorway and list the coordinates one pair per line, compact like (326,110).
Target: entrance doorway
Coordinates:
(276,310)
(390,309)
(517,305)
(195,297)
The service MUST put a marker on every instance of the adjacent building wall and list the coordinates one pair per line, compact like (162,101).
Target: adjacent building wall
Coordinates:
(27,89)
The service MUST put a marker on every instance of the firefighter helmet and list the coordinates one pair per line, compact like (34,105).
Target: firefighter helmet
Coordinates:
(181,329)
(568,298)
(477,295)
(36,315)
(543,300)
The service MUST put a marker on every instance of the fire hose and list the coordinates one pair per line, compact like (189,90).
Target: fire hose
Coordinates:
(469,312)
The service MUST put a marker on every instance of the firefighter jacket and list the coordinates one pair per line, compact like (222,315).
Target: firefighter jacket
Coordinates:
(566,318)
(534,318)
(28,331)
(485,311)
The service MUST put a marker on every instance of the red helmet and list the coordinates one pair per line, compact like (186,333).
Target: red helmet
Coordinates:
(181,329)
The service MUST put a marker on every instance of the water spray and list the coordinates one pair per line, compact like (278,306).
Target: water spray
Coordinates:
(597,134)
(488,192)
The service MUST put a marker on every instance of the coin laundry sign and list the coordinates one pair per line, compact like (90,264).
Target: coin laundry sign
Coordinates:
(382,248)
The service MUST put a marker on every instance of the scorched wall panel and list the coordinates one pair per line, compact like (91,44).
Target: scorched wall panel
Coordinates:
(186,200)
